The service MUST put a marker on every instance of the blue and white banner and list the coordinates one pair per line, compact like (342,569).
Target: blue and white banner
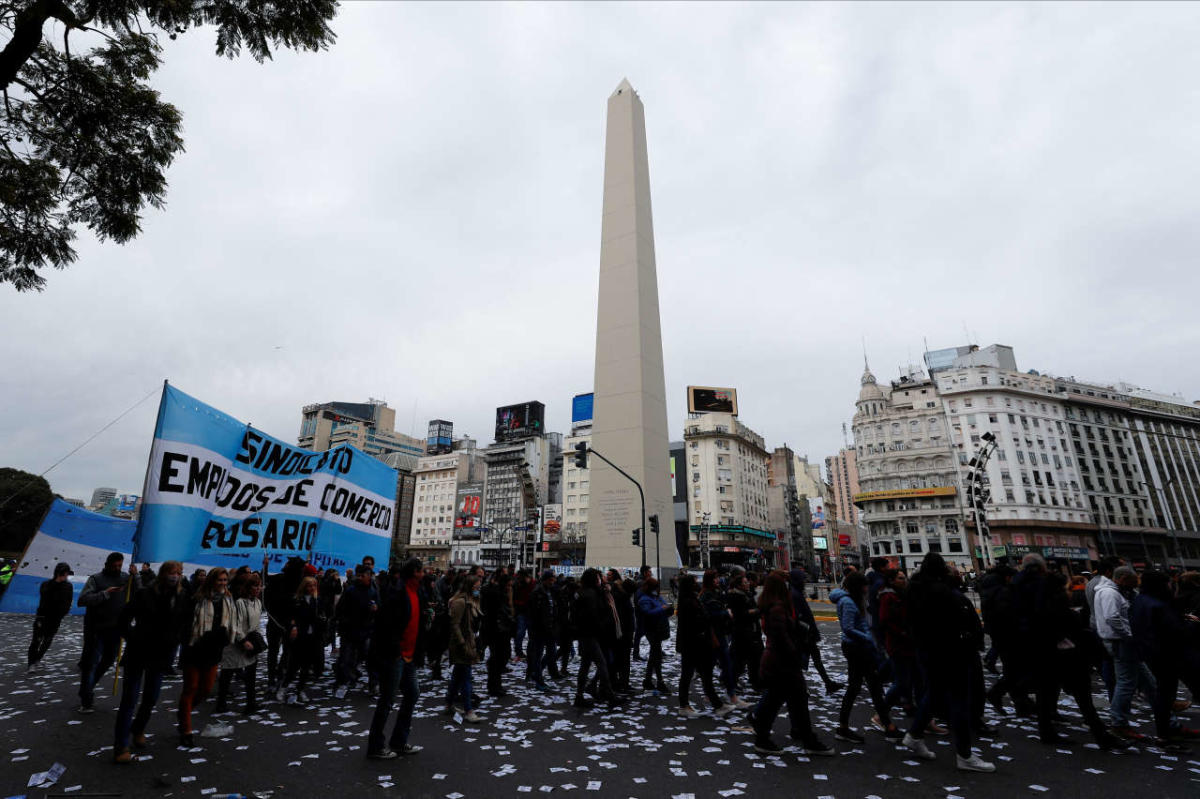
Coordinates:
(217,486)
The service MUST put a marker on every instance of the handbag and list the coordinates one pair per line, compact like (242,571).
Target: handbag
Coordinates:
(256,641)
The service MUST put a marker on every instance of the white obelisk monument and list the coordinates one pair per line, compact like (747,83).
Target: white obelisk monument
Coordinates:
(629,424)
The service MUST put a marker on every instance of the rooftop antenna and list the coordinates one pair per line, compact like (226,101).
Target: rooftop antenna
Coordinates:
(845,439)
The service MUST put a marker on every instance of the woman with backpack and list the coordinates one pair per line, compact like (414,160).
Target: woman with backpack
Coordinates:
(862,658)
(655,614)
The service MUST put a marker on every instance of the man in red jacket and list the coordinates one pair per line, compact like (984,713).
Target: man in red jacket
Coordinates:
(395,646)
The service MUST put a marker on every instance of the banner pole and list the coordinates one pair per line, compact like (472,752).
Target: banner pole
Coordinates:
(137,531)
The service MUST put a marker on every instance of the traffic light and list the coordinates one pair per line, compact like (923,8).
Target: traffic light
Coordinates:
(637,537)
(581,454)
(654,524)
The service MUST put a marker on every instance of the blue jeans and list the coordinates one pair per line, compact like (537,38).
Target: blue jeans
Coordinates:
(462,684)
(901,691)
(541,654)
(99,653)
(728,679)
(522,628)
(1131,674)
(400,676)
(141,680)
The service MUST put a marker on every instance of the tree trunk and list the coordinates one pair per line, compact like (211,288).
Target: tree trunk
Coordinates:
(27,34)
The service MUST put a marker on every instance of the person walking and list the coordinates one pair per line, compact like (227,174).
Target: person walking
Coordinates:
(395,647)
(897,640)
(464,615)
(812,650)
(54,602)
(944,627)
(498,626)
(306,634)
(594,622)
(1162,642)
(696,643)
(1113,626)
(564,594)
(746,640)
(862,659)
(240,657)
(542,613)
(151,624)
(782,672)
(354,617)
(104,596)
(655,614)
(210,630)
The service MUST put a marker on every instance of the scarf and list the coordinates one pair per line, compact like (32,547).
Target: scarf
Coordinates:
(202,619)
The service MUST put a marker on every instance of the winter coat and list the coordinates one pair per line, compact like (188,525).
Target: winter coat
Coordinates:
(354,615)
(694,633)
(804,613)
(54,599)
(247,617)
(747,631)
(655,615)
(464,611)
(499,622)
(152,624)
(392,620)
(209,630)
(855,631)
(624,606)
(785,657)
(104,609)
(592,615)
(718,613)
(893,620)
(541,613)
(1159,634)
(944,624)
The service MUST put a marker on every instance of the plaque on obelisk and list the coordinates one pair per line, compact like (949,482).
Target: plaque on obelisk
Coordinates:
(629,424)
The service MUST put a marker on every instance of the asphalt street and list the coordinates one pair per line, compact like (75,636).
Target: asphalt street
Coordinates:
(529,743)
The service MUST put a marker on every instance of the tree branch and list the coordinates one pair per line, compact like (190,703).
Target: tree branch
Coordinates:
(27,35)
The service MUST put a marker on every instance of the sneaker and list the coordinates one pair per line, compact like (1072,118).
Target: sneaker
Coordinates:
(123,756)
(382,754)
(410,749)
(974,763)
(339,692)
(32,668)
(765,746)
(471,717)
(741,704)
(833,686)
(877,724)
(1128,733)
(688,712)
(918,747)
(281,693)
(85,709)
(723,711)
(818,748)
(848,735)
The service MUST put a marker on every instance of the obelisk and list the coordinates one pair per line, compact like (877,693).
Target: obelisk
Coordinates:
(629,423)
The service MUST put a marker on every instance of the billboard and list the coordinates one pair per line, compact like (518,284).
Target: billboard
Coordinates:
(520,421)
(468,510)
(440,438)
(705,399)
(581,407)
(127,503)
(820,542)
(904,493)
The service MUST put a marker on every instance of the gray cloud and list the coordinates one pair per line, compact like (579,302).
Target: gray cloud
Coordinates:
(414,215)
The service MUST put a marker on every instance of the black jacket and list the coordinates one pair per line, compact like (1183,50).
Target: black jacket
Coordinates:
(393,618)
(592,616)
(153,623)
(104,609)
(694,633)
(353,614)
(499,622)
(55,599)
(541,612)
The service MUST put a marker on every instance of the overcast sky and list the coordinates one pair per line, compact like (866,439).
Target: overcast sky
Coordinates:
(415,216)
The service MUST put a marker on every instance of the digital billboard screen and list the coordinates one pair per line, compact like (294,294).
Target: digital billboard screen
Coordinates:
(582,407)
(706,399)
(520,421)
(440,438)
(467,511)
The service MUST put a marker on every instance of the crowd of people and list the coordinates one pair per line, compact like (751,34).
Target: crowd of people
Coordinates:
(919,645)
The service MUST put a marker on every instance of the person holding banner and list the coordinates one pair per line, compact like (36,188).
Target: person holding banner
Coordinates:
(151,625)
(104,595)
(211,629)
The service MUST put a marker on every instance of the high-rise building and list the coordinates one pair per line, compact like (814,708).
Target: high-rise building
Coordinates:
(368,426)
(727,481)
(435,502)
(843,476)
(406,486)
(630,419)
(101,497)
(517,485)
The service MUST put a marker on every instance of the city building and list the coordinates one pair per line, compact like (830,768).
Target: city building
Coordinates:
(101,496)
(788,516)
(576,497)
(436,511)
(405,465)
(907,471)
(727,478)
(843,482)
(516,486)
(368,426)
(79,503)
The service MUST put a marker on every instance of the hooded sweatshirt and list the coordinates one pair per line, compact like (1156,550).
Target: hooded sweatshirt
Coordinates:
(855,631)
